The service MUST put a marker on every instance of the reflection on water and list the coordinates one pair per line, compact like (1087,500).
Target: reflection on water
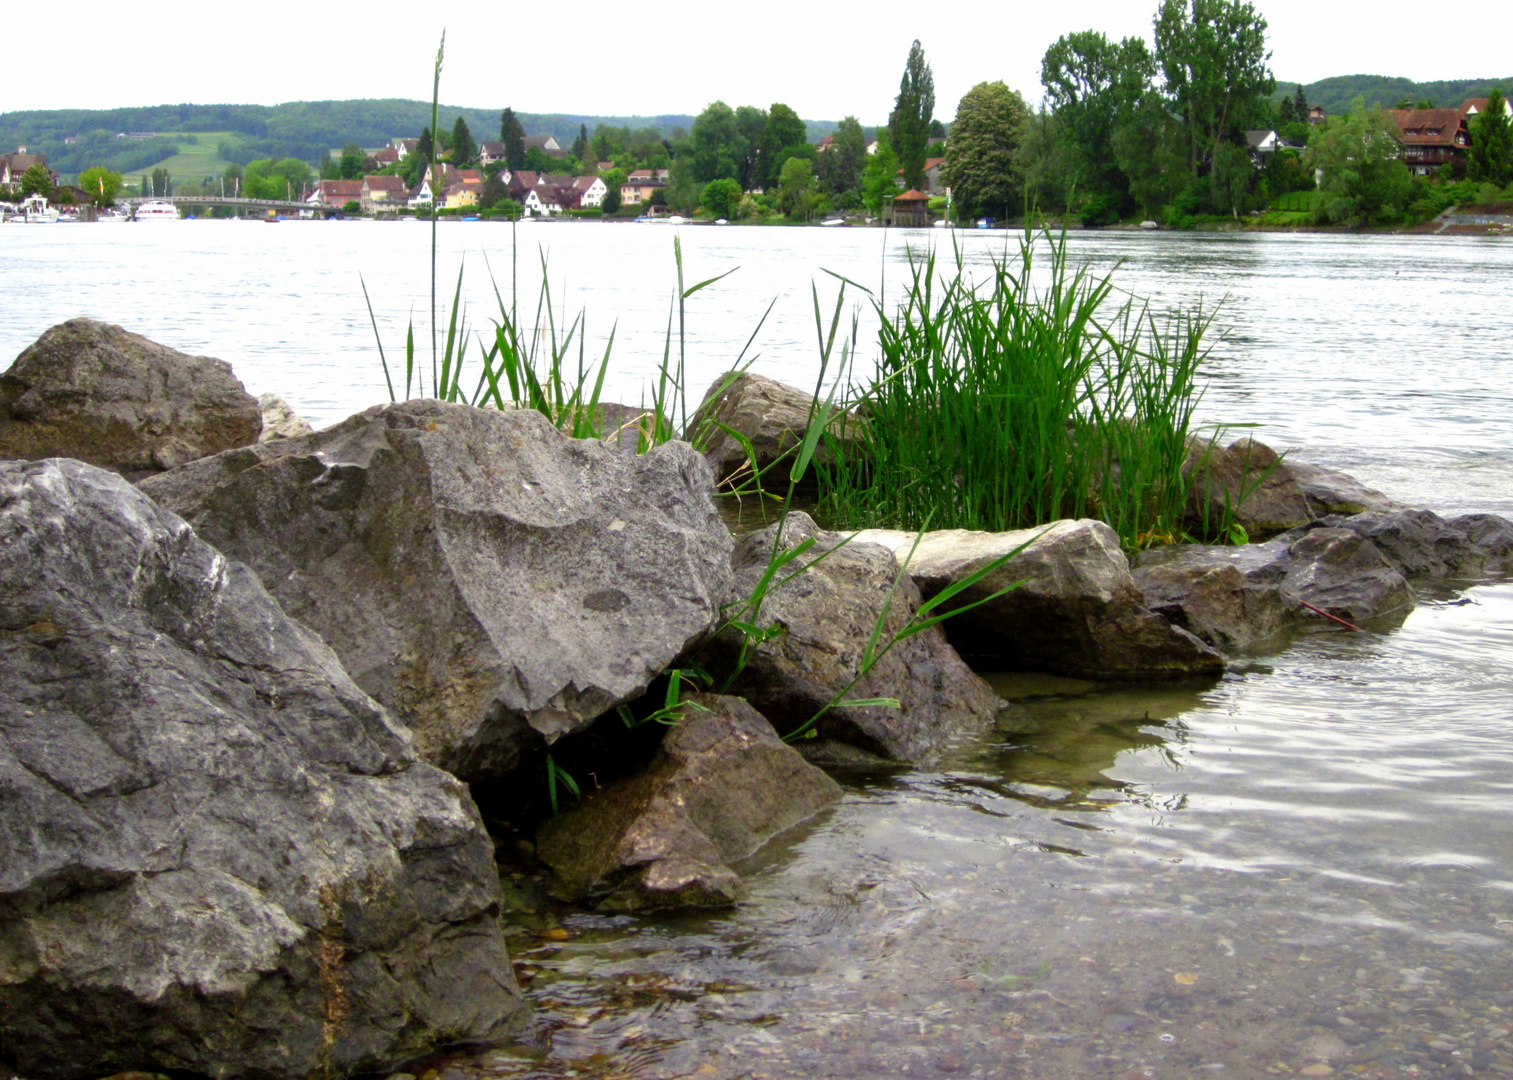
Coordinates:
(1303,866)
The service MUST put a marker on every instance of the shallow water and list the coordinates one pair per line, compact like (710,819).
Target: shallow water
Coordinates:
(1306,866)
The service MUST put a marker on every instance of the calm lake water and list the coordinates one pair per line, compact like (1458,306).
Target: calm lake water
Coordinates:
(1306,868)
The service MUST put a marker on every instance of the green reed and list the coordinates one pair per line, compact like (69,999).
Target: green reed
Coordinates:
(1006,403)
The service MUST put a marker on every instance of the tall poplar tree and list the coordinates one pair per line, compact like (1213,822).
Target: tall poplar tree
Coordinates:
(512,134)
(910,120)
(464,149)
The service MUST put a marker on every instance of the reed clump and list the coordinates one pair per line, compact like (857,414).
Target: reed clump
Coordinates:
(1033,394)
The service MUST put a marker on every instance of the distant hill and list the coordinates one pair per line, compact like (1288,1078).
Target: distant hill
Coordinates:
(301,129)
(1336,93)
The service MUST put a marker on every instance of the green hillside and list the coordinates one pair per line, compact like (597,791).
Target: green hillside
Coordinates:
(1336,93)
(301,129)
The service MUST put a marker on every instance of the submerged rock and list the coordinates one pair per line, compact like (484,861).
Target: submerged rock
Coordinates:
(1421,544)
(1248,479)
(720,786)
(495,583)
(93,391)
(827,615)
(1332,569)
(217,854)
(1076,612)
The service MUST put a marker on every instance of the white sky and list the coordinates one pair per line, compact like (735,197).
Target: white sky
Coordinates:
(825,59)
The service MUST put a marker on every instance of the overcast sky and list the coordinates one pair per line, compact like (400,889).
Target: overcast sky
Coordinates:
(825,59)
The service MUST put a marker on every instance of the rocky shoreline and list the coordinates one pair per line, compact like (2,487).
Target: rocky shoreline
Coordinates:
(247,671)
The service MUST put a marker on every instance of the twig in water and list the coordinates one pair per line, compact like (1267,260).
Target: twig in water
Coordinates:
(1336,618)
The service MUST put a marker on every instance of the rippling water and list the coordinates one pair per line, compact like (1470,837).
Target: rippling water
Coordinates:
(1305,867)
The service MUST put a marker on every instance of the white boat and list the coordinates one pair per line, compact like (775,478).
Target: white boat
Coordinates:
(157,211)
(33,209)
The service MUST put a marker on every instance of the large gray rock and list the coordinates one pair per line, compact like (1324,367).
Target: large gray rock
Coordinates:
(93,391)
(1421,544)
(772,415)
(1491,534)
(1334,570)
(1076,612)
(493,582)
(216,854)
(828,614)
(1245,478)
(1329,491)
(720,786)
(1218,604)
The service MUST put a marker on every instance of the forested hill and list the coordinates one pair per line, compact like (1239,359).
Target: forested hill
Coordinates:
(1337,93)
(302,129)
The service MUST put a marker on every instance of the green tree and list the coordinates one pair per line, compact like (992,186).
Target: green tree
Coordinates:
(750,123)
(841,167)
(162,182)
(1213,56)
(797,190)
(715,145)
(1492,143)
(1300,105)
(580,144)
(36,180)
(613,180)
(879,178)
(350,167)
(464,149)
(913,110)
(101,183)
(1093,85)
(783,130)
(1364,179)
(721,197)
(512,134)
(979,166)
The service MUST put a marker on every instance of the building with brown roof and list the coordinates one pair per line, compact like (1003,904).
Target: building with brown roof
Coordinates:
(335,193)
(380,193)
(1432,138)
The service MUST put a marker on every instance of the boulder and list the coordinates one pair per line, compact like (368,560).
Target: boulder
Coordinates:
(773,416)
(217,855)
(1332,569)
(280,421)
(827,616)
(1419,543)
(493,582)
(1491,534)
(1248,478)
(1075,612)
(720,786)
(1218,604)
(93,391)
(1332,492)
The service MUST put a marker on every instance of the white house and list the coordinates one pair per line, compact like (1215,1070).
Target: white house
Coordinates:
(591,190)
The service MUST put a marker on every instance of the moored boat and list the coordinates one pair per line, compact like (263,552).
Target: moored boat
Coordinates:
(157,211)
(33,209)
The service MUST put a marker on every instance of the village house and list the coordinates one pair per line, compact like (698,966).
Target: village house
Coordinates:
(335,193)
(1432,138)
(464,189)
(546,144)
(13,166)
(421,197)
(490,152)
(385,157)
(932,177)
(641,185)
(404,147)
(382,193)
(590,191)
(1472,106)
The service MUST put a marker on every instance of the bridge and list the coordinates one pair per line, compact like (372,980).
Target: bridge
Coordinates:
(263,205)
